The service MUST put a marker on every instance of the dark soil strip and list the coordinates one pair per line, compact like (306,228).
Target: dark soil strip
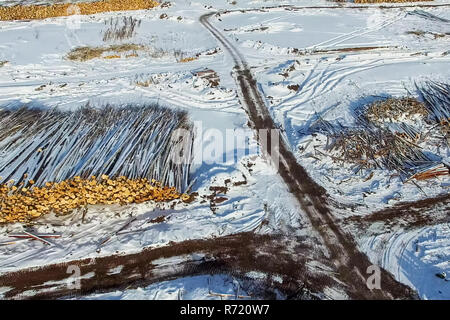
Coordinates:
(350,49)
(406,215)
(235,255)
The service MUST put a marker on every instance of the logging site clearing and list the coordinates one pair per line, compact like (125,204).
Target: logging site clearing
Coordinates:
(217,149)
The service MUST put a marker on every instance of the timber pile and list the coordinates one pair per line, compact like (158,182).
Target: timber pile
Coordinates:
(437,100)
(395,110)
(376,148)
(405,117)
(31,12)
(388,134)
(26,203)
(131,141)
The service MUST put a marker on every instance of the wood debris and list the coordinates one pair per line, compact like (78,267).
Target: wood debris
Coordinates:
(394,109)
(27,236)
(376,148)
(210,76)
(390,132)
(107,239)
(433,172)
(437,100)
(35,237)
(7,243)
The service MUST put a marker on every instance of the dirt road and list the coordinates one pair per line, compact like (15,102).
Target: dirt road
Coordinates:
(350,263)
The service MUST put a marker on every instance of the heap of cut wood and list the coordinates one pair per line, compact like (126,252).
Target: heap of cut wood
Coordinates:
(21,204)
(131,141)
(29,12)
(437,100)
(375,148)
(395,110)
(405,117)
(389,134)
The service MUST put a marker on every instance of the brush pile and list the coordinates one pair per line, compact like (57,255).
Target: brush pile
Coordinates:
(392,133)
(32,12)
(26,203)
(437,99)
(396,110)
(89,53)
(376,148)
(405,117)
(135,142)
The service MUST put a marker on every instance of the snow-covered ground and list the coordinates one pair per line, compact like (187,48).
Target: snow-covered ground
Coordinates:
(259,194)
(214,287)
(299,48)
(415,258)
(301,43)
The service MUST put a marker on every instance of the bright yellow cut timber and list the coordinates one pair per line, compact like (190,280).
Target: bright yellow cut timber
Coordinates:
(33,12)
(26,203)
(185,197)
(189,59)
(113,56)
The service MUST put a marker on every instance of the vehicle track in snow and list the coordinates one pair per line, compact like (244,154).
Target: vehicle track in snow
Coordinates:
(349,262)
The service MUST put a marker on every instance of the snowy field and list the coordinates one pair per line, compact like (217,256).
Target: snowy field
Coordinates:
(415,258)
(333,84)
(216,287)
(308,48)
